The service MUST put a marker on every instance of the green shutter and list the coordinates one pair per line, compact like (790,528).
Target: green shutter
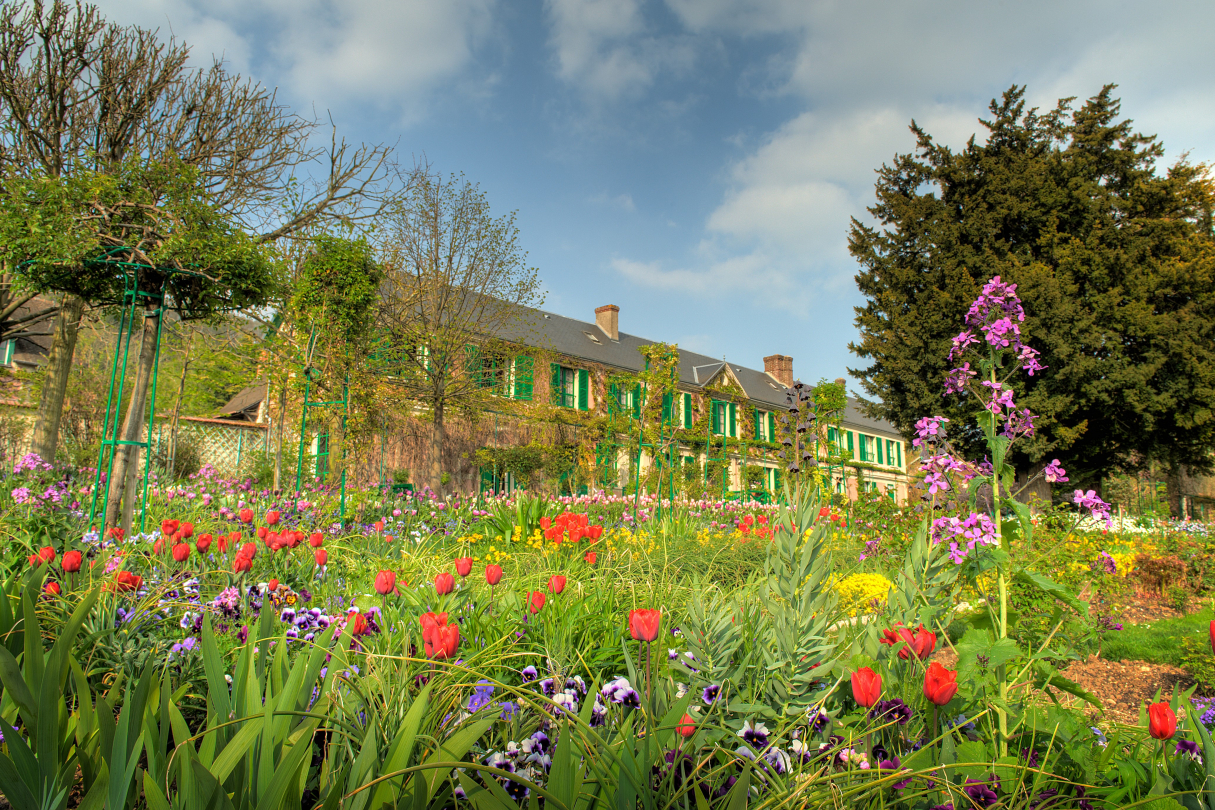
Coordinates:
(613,398)
(879,441)
(524,377)
(472,364)
(756,429)
(666,407)
(687,410)
(637,401)
(899,447)
(850,448)
(771,426)
(733,420)
(555,383)
(584,390)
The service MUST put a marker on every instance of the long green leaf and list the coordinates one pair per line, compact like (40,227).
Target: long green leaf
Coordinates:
(236,748)
(453,749)
(401,749)
(287,771)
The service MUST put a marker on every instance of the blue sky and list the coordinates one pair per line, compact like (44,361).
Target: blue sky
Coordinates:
(696,162)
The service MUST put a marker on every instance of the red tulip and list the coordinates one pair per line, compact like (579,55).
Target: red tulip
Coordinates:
(357,622)
(940,684)
(203,543)
(246,516)
(322,557)
(34,560)
(1212,636)
(115,532)
(430,621)
(590,557)
(169,526)
(595,532)
(262,531)
(249,550)
(317,539)
(536,602)
(242,564)
(128,581)
(272,585)
(686,726)
(71,561)
(379,525)
(385,582)
(51,588)
(222,543)
(919,643)
(556,583)
(866,687)
(272,518)
(187,530)
(181,552)
(643,624)
(545,523)
(235,537)
(444,583)
(443,642)
(1162,722)
(463,566)
(493,574)
(46,554)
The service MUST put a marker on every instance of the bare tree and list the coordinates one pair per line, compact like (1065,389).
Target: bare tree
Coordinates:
(456,300)
(80,94)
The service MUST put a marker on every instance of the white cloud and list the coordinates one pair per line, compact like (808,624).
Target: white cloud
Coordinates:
(601,47)
(328,52)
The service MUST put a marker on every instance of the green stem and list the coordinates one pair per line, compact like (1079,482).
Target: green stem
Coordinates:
(1002,584)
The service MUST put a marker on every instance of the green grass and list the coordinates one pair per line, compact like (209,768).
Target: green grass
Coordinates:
(1158,642)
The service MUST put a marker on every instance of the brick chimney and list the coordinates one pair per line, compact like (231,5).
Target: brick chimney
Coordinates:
(608,319)
(780,368)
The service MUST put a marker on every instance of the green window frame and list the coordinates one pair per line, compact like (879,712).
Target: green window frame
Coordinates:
(733,420)
(879,441)
(851,449)
(564,386)
(687,411)
(899,447)
(667,403)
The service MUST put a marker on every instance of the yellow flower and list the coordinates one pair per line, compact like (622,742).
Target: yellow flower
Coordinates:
(858,592)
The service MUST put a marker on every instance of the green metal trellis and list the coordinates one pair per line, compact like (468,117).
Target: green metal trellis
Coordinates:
(311,373)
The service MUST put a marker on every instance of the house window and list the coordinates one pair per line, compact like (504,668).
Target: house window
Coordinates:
(570,387)
(761,426)
(724,418)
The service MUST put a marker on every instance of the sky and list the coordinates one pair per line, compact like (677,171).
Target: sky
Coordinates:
(697,162)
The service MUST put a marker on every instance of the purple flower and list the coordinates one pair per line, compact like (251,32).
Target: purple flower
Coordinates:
(955,382)
(1187,747)
(710,693)
(1091,501)
(895,710)
(980,792)
(961,343)
(929,429)
(1054,472)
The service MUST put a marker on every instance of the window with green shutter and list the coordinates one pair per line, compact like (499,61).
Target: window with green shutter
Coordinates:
(637,401)
(757,429)
(733,420)
(564,386)
(687,410)
(850,448)
(717,415)
(524,373)
(771,426)
(879,442)
(584,390)
(666,407)
(899,447)
(862,446)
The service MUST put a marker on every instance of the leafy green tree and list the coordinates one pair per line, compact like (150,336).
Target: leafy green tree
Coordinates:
(155,222)
(1112,258)
(79,94)
(455,300)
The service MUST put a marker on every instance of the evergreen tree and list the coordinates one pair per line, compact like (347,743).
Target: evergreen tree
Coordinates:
(1113,260)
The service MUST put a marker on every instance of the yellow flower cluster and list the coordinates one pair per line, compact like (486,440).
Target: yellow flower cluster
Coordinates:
(493,555)
(859,592)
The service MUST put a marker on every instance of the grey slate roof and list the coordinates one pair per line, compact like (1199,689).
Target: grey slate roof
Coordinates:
(585,340)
